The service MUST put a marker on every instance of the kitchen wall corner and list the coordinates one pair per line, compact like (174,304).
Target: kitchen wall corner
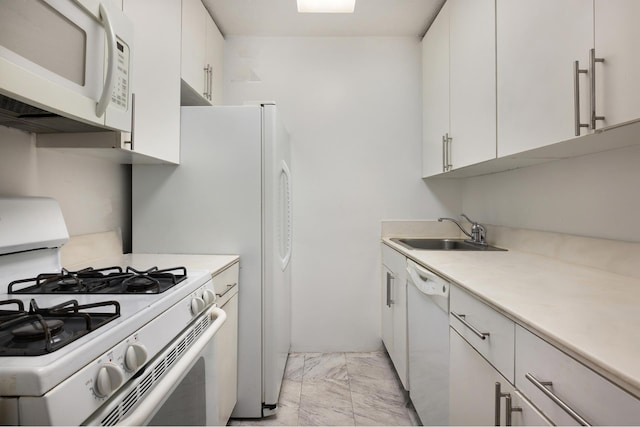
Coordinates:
(94,194)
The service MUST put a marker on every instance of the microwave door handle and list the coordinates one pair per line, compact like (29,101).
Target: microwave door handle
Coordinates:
(103,102)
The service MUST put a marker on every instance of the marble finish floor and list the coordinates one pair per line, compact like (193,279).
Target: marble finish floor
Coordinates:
(345,389)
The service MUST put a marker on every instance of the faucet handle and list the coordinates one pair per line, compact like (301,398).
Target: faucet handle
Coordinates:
(468,219)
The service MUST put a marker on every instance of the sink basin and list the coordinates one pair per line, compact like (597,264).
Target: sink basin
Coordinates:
(443,245)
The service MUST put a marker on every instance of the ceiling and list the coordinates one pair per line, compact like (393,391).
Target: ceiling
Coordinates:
(281,18)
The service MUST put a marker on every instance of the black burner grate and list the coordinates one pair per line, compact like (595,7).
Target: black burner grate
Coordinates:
(44,330)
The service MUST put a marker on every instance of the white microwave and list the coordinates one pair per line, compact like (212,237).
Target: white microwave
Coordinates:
(65,66)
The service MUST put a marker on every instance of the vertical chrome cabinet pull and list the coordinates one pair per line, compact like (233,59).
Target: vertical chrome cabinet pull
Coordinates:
(498,395)
(461,317)
(444,153)
(210,92)
(576,96)
(448,140)
(542,386)
(509,404)
(389,279)
(206,81)
(592,61)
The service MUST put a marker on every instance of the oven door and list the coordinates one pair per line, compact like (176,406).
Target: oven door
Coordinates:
(175,386)
(67,57)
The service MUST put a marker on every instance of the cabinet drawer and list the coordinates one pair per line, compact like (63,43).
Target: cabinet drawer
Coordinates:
(488,331)
(225,284)
(591,396)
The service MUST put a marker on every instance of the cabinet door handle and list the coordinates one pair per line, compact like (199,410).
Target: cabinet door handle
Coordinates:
(444,153)
(389,279)
(449,140)
(542,386)
(576,96)
(461,317)
(510,409)
(592,66)
(210,91)
(206,82)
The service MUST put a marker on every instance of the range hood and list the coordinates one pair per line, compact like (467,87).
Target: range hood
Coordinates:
(17,114)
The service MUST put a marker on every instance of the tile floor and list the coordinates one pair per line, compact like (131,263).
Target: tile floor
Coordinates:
(346,389)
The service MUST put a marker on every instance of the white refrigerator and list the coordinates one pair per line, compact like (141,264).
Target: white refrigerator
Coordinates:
(231,194)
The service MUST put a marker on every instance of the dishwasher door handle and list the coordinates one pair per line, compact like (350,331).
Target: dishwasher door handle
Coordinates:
(427,282)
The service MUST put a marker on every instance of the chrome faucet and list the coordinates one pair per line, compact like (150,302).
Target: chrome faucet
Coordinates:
(478,233)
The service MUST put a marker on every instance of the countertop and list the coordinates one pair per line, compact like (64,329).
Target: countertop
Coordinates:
(591,314)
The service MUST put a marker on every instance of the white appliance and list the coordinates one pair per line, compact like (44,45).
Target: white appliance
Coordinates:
(428,322)
(65,66)
(83,347)
(231,193)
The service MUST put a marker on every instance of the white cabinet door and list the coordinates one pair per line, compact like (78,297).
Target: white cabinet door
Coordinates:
(194,34)
(156,78)
(394,310)
(435,93)
(473,81)
(537,44)
(472,391)
(616,41)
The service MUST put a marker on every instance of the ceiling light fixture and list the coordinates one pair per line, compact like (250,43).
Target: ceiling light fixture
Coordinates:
(326,6)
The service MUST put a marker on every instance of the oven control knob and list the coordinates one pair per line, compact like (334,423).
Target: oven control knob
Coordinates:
(134,357)
(209,296)
(109,378)
(197,305)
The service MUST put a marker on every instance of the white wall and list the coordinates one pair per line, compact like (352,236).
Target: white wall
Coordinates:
(353,109)
(94,194)
(596,195)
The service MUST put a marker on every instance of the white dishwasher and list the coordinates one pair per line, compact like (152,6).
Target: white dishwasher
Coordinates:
(428,322)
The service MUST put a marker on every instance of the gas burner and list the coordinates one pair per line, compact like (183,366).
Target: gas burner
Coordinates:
(111,280)
(152,280)
(34,330)
(45,330)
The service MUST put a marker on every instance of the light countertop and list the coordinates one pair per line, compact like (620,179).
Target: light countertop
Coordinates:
(593,315)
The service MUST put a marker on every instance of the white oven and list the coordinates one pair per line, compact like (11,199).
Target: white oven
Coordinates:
(110,345)
(65,59)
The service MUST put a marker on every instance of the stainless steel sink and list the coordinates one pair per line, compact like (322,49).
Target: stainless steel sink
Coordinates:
(444,245)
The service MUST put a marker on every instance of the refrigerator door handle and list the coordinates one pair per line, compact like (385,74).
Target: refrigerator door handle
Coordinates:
(287,217)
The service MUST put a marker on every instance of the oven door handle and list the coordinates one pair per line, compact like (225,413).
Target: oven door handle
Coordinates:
(152,401)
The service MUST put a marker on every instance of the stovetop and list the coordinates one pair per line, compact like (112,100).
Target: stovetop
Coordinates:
(40,373)
(109,280)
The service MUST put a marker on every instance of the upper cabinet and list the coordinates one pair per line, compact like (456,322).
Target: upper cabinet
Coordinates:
(565,69)
(435,95)
(156,78)
(472,60)
(616,41)
(511,83)
(202,54)
(538,43)
(459,81)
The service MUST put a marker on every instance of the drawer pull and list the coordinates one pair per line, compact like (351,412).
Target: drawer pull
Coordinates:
(229,287)
(542,386)
(461,317)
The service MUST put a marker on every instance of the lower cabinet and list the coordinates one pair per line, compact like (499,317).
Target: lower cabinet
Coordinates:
(479,395)
(568,392)
(394,310)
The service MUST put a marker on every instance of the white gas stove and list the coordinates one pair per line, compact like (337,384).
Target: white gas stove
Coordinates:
(87,347)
